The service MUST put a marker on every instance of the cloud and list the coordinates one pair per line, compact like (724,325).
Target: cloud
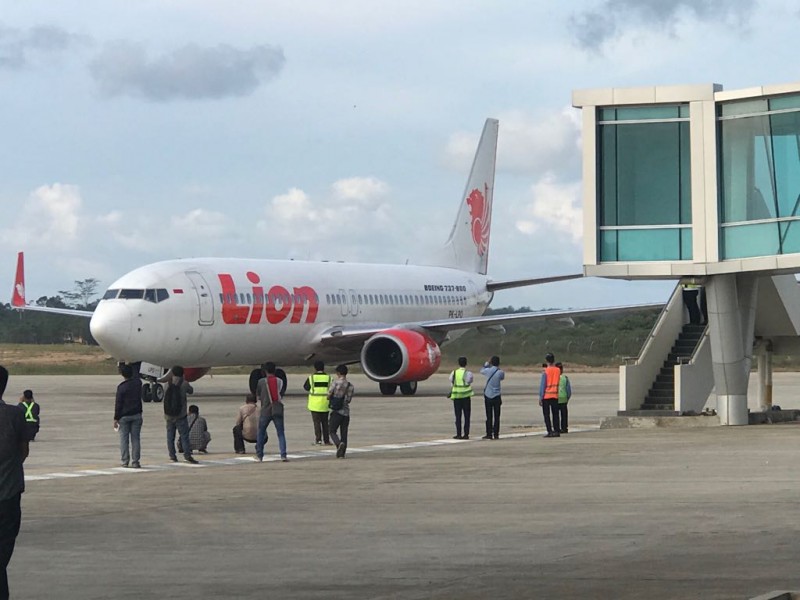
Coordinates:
(202,223)
(544,143)
(555,208)
(360,190)
(593,28)
(191,72)
(24,48)
(352,217)
(50,217)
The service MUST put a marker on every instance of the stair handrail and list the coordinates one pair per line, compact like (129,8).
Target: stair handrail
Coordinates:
(691,359)
(657,326)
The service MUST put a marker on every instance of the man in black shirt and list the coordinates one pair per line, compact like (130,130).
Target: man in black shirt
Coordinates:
(13,452)
(128,416)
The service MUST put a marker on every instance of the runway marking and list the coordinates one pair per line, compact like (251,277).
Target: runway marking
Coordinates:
(239,460)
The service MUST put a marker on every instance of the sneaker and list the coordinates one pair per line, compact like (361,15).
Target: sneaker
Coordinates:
(190,459)
(340,450)
(318,442)
(486,437)
(241,452)
(284,459)
(203,451)
(136,465)
(173,458)
(123,465)
(260,457)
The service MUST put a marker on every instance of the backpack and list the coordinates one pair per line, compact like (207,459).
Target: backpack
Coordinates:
(172,400)
(336,402)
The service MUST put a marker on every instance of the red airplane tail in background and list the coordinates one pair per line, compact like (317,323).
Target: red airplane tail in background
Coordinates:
(18,295)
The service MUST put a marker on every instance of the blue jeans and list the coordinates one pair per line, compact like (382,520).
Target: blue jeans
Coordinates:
(182,425)
(263,437)
(130,428)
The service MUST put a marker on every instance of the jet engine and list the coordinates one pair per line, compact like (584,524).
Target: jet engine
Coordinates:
(194,373)
(400,355)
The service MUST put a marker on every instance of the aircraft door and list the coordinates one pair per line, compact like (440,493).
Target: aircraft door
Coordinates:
(344,305)
(353,303)
(205,300)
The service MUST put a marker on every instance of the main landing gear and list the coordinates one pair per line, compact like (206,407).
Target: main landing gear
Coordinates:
(407,388)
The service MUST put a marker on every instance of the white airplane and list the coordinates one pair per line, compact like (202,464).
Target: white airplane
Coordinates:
(206,312)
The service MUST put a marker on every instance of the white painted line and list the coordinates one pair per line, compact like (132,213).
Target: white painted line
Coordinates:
(315,453)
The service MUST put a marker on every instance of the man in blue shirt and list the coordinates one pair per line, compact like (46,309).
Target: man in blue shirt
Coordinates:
(13,452)
(491,396)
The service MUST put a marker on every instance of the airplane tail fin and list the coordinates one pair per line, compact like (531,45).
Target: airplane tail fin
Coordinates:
(18,295)
(467,248)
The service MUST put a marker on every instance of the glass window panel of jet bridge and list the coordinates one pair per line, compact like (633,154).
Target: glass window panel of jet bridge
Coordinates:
(649,244)
(742,241)
(746,191)
(608,246)
(784,102)
(644,174)
(785,138)
(790,237)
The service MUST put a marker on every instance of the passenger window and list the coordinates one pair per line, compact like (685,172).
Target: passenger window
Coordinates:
(248,298)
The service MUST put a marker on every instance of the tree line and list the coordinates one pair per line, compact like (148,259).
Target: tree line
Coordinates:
(30,327)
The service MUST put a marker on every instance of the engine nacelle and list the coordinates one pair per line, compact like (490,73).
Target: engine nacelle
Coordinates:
(400,355)
(194,373)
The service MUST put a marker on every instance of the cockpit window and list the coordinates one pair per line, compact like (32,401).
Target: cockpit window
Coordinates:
(150,295)
(110,294)
(131,294)
(161,294)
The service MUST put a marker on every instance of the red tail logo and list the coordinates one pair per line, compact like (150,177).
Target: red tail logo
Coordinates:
(18,295)
(481,218)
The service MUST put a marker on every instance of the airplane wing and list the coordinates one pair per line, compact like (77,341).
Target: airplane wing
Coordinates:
(493,286)
(346,337)
(18,296)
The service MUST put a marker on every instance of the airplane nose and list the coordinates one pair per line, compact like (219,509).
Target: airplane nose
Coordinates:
(111,327)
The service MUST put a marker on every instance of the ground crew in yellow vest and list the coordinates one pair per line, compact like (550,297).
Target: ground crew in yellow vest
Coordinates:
(461,395)
(317,387)
(31,409)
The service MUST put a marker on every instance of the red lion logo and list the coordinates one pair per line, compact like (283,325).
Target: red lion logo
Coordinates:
(481,218)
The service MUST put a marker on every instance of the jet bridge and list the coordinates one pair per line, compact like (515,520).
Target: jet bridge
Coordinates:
(702,186)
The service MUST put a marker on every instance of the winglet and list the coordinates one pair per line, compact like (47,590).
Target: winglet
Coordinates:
(18,295)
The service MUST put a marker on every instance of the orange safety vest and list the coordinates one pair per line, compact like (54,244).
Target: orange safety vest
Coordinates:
(552,375)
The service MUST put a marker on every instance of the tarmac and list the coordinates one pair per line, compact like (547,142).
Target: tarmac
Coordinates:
(410,513)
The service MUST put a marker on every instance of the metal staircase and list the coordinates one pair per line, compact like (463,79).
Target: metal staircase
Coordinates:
(660,399)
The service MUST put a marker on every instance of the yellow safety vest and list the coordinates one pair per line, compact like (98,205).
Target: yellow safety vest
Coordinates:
(318,392)
(461,389)
(29,417)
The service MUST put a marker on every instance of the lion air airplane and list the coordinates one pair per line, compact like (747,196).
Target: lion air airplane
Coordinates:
(206,312)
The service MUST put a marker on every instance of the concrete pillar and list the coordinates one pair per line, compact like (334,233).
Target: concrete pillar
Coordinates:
(765,377)
(731,317)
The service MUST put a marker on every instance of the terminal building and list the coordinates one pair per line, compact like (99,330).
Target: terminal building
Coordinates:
(700,185)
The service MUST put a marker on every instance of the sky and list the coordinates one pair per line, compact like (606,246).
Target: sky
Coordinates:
(134,132)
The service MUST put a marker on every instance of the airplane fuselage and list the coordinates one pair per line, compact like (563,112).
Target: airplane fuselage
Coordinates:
(216,311)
